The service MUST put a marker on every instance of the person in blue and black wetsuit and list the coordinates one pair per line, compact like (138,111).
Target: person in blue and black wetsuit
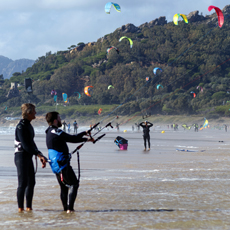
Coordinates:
(25,148)
(60,158)
(146,126)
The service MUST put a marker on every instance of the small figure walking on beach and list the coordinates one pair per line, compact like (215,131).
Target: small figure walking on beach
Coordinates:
(146,129)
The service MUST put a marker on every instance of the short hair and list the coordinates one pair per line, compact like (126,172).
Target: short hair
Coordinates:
(27,108)
(51,116)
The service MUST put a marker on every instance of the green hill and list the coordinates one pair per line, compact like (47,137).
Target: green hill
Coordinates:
(190,55)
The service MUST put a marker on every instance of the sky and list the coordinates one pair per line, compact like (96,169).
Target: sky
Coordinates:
(30,29)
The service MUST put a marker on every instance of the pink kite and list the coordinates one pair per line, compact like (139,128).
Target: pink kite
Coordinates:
(219,14)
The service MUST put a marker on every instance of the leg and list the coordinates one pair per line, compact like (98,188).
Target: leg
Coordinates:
(22,178)
(148,138)
(30,184)
(144,141)
(71,179)
(64,192)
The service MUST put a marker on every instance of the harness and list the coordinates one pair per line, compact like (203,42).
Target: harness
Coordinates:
(18,148)
(58,161)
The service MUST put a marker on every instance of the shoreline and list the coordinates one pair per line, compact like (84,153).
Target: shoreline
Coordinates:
(126,120)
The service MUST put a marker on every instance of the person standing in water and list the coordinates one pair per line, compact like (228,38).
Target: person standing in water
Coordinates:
(146,129)
(69,127)
(25,148)
(60,158)
(64,124)
(75,127)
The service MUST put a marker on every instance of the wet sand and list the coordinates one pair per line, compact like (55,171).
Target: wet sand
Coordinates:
(134,189)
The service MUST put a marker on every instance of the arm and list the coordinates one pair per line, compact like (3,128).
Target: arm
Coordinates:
(73,138)
(150,124)
(141,124)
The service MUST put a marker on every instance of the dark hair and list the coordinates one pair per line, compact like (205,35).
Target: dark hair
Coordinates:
(51,116)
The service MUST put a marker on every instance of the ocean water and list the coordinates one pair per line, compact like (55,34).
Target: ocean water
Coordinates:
(133,189)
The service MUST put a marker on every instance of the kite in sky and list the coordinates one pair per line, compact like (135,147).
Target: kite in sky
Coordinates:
(87,90)
(158,86)
(112,47)
(130,40)
(194,95)
(155,70)
(219,14)
(99,111)
(176,18)
(110,86)
(109,5)
(65,97)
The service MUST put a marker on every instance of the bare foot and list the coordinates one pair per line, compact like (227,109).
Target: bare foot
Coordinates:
(70,211)
(20,209)
(29,209)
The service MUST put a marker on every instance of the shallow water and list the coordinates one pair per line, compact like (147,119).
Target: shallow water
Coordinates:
(134,189)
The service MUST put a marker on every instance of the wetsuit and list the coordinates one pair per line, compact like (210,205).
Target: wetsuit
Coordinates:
(25,148)
(56,143)
(146,131)
(75,127)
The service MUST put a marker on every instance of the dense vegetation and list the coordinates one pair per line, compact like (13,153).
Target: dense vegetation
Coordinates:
(158,46)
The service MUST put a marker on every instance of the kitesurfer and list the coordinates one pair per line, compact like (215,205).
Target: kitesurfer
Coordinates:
(60,158)
(146,129)
(69,127)
(64,124)
(196,127)
(75,127)
(25,148)
(117,126)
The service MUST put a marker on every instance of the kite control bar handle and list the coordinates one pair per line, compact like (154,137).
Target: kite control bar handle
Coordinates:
(79,147)
(89,131)
(99,138)
(109,124)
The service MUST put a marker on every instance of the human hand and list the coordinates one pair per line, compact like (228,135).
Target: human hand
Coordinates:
(43,160)
(91,139)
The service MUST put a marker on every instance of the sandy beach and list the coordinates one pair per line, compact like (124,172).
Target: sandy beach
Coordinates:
(158,189)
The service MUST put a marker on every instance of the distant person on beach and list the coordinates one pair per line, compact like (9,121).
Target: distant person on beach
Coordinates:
(196,127)
(60,159)
(69,127)
(146,129)
(226,128)
(64,124)
(75,127)
(25,148)
(117,126)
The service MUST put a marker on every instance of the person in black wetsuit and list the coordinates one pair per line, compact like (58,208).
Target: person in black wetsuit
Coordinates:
(146,126)
(75,126)
(25,148)
(60,159)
